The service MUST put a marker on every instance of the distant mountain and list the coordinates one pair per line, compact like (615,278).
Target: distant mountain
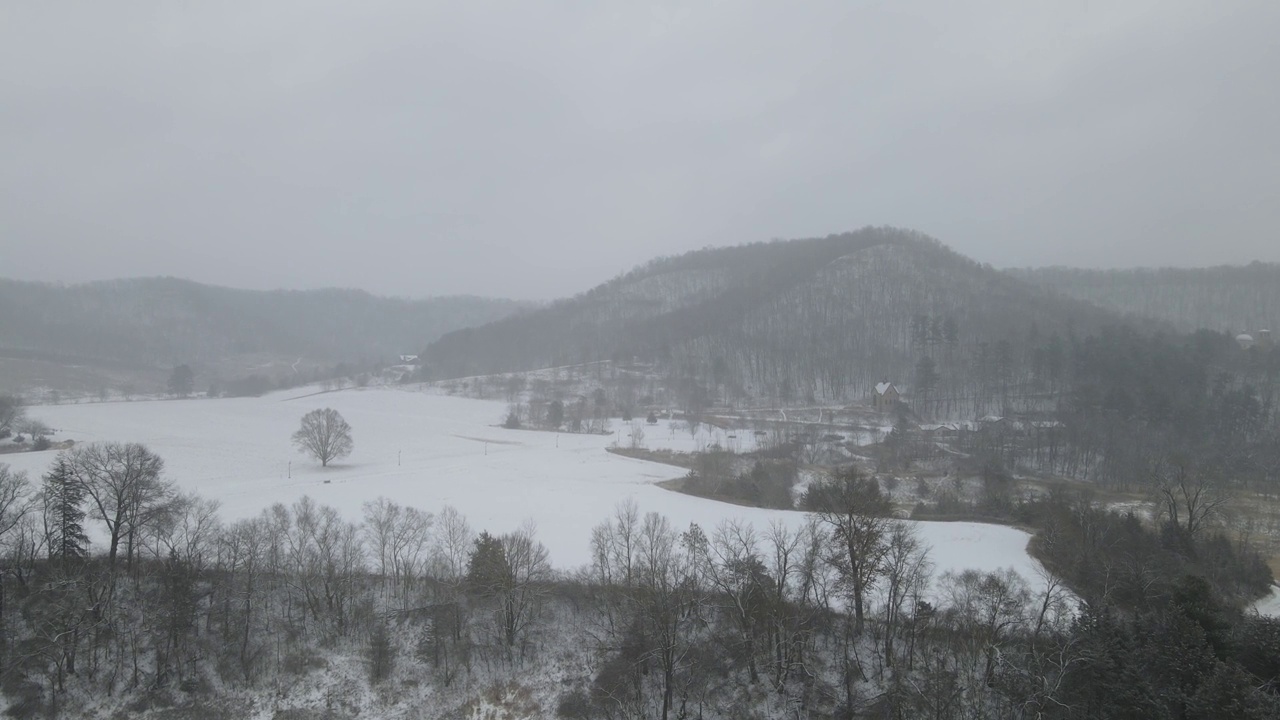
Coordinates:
(824,317)
(160,322)
(1224,299)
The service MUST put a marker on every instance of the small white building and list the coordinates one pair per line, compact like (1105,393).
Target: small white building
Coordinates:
(886,396)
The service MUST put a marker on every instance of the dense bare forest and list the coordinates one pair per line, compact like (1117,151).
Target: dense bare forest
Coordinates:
(807,320)
(1226,299)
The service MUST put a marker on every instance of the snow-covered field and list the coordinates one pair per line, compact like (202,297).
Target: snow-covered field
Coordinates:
(429,450)
(676,435)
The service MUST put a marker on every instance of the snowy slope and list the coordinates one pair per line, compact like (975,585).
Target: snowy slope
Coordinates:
(429,450)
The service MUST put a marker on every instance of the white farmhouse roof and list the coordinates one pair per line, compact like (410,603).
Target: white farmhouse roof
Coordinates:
(882,388)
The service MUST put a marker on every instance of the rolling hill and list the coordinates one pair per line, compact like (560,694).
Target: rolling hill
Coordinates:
(160,322)
(824,318)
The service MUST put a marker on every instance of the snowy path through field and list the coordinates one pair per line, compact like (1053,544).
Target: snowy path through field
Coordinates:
(430,450)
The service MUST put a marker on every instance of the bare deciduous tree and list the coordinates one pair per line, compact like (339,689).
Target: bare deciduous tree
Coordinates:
(32,427)
(124,488)
(736,571)
(857,514)
(189,531)
(11,411)
(325,435)
(906,572)
(530,569)
(1187,498)
(397,539)
(15,498)
(453,540)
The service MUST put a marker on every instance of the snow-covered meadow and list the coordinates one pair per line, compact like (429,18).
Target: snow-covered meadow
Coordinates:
(678,436)
(428,450)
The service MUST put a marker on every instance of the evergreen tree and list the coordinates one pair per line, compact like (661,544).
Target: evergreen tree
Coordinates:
(64,508)
(487,568)
(555,416)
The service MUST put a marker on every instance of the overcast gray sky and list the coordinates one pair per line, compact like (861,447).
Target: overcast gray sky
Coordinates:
(534,149)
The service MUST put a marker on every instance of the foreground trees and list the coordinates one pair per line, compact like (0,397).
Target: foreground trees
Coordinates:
(666,622)
(858,516)
(15,498)
(324,435)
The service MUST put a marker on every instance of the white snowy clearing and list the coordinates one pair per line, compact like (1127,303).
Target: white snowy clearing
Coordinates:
(1269,605)
(427,451)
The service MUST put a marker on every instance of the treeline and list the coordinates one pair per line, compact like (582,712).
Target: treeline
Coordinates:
(837,616)
(1226,299)
(166,321)
(798,321)
(1118,401)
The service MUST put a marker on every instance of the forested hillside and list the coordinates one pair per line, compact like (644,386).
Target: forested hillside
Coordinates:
(822,318)
(1226,299)
(166,321)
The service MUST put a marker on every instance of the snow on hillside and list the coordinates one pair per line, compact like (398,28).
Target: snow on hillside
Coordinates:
(429,450)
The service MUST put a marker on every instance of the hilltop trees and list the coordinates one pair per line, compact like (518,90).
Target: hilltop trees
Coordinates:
(324,435)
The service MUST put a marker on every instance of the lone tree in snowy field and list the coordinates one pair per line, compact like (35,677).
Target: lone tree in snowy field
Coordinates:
(325,435)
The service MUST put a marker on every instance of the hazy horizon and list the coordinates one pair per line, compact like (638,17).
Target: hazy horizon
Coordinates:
(531,153)
(599,281)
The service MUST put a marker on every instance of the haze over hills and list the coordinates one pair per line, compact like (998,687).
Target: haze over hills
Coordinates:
(162,322)
(1229,298)
(823,318)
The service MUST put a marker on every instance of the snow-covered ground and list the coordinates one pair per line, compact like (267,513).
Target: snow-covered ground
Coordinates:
(1269,605)
(676,435)
(429,450)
